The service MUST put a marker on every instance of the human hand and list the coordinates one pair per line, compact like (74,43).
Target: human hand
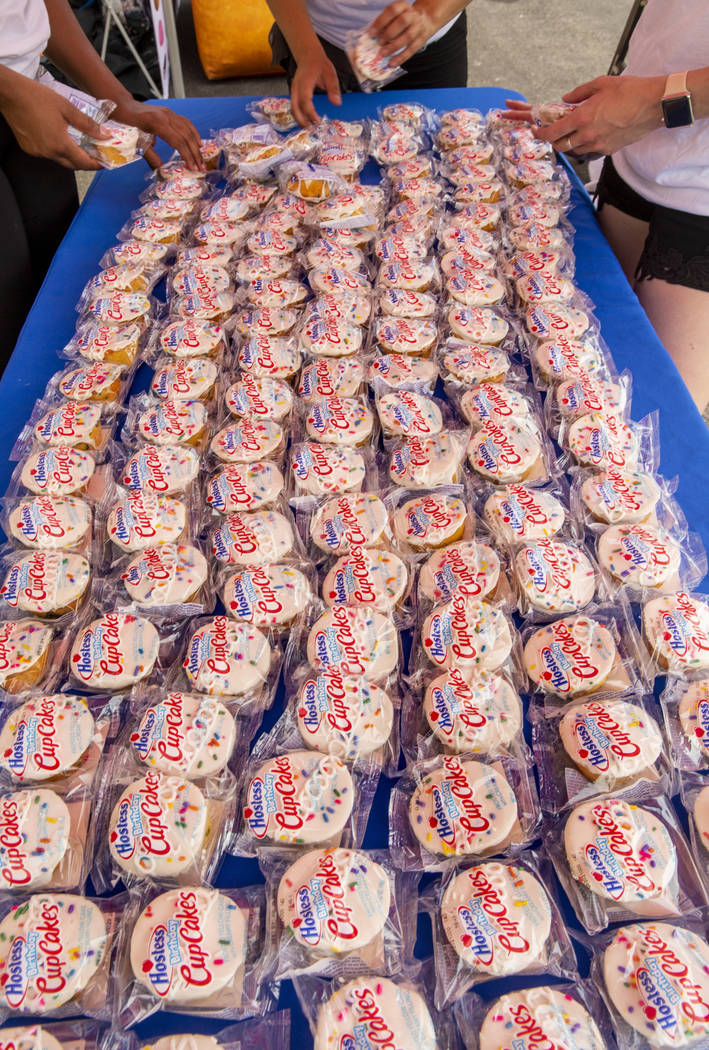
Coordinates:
(163,123)
(517,109)
(609,113)
(402,29)
(315,70)
(39,119)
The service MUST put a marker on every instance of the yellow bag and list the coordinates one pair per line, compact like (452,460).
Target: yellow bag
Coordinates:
(232,37)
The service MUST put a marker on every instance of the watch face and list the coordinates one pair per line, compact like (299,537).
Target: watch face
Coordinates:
(677,111)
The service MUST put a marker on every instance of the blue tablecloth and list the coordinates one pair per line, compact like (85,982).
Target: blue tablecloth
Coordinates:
(684,439)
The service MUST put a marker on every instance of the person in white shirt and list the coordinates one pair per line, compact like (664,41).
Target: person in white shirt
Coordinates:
(427,37)
(37,155)
(652,123)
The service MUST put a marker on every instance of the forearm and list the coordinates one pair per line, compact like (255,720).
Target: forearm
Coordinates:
(10,82)
(294,22)
(72,52)
(439,12)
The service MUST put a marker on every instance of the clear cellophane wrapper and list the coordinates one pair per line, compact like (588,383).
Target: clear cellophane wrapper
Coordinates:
(639,851)
(89,928)
(447,713)
(604,735)
(506,920)
(323,948)
(232,925)
(158,828)
(272,1030)
(77,1034)
(675,628)
(341,715)
(594,653)
(504,779)
(60,421)
(685,706)
(47,781)
(215,649)
(168,581)
(546,1010)
(402,1004)
(332,809)
(651,976)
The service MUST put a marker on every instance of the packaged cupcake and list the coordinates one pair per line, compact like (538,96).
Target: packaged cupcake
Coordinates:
(555,1014)
(301,799)
(245,487)
(340,714)
(188,735)
(73,973)
(454,806)
(620,861)
(228,658)
(370,1004)
(114,652)
(653,978)
(685,706)
(449,713)
(212,969)
(599,747)
(168,580)
(337,910)
(55,739)
(676,631)
(153,827)
(49,584)
(593,653)
(496,919)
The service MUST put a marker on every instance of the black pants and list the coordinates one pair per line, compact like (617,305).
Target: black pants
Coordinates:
(38,200)
(443,64)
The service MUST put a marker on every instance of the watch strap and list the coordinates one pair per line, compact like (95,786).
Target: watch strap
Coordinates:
(676,84)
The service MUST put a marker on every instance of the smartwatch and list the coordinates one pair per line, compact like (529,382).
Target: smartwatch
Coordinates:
(677,111)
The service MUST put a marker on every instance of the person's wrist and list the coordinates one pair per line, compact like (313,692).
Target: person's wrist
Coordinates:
(654,92)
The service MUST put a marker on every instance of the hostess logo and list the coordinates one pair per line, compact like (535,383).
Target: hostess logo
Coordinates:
(29,522)
(43,468)
(440,636)
(311,910)
(313,703)
(244,597)
(255,811)
(703,716)
(478,934)
(12,585)
(658,994)
(150,730)
(513,514)
(23,745)
(489,453)
(158,964)
(594,743)
(556,667)
(419,522)
(84,665)
(638,553)
(537,568)
(21,967)
(444,812)
(128,827)
(676,632)
(604,868)
(444,706)
(221,543)
(123,521)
